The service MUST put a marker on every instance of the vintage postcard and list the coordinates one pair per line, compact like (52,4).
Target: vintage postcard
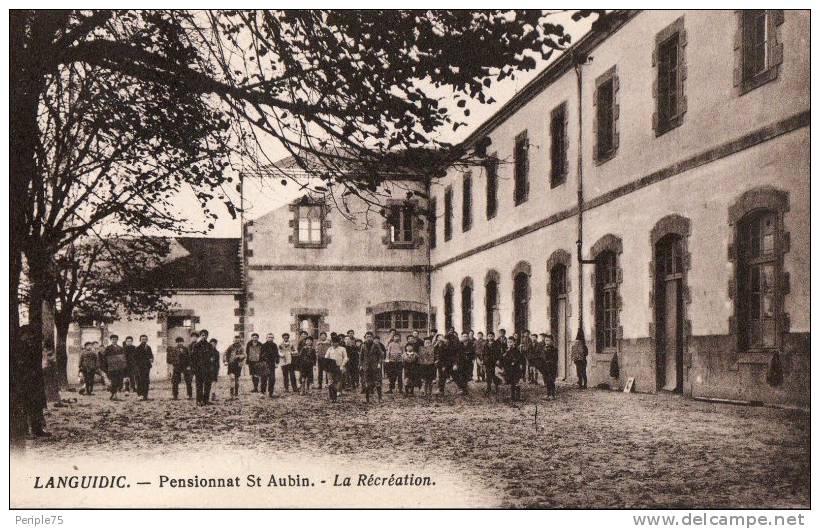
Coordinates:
(493,259)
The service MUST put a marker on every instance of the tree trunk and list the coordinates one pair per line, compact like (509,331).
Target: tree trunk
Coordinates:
(63,323)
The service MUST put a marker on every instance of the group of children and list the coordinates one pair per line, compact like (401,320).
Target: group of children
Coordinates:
(346,362)
(343,362)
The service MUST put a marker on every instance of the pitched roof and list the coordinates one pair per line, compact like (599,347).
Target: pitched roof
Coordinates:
(195,263)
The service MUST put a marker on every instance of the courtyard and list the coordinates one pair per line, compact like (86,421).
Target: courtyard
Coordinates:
(588,449)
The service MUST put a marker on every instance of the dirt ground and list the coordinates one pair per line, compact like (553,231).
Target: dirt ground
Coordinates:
(589,449)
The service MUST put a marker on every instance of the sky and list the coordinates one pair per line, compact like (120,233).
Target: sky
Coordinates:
(264,195)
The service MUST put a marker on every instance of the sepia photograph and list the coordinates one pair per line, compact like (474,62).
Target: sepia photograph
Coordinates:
(347,258)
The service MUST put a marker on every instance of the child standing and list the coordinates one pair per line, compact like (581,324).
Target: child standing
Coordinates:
(335,362)
(307,359)
(286,355)
(88,367)
(426,366)
(234,358)
(513,362)
(410,360)
(393,366)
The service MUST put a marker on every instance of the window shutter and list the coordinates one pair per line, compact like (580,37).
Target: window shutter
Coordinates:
(565,146)
(737,74)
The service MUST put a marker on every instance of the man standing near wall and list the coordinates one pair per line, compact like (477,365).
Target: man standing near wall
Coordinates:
(253,355)
(201,353)
(144,358)
(579,358)
(371,366)
(270,358)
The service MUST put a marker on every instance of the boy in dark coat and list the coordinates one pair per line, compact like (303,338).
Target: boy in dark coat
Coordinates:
(352,362)
(115,365)
(132,376)
(234,358)
(88,367)
(144,359)
(410,364)
(306,359)
(513,362)
(253,356)
(371,357)
(426,366)
(492,359)
(180,360)
(214,367)
(201,361)
(269,361)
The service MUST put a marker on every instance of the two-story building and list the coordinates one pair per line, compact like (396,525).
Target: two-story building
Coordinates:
(674,148)
(331,263)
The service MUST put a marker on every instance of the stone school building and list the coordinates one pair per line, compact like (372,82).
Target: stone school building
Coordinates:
(650,185)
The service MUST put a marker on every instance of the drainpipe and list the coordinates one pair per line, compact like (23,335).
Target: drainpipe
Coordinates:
(429,270)
(579,62)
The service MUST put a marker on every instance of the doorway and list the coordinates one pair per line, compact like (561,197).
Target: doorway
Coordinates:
(669,313)
(559,326)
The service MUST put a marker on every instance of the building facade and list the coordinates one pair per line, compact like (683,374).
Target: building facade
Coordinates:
(321,264)
(694,202)
(204,277)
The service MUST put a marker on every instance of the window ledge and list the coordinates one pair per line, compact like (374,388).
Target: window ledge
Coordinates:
(554,183)
(602,158)
(758,80)
(672,124)
(401,245)
(310,245)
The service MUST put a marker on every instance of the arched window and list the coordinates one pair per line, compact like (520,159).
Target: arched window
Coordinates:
(521,299)
(467,305)
(758,292)
(606,301)
(558,294)
(492,316)
(448,307)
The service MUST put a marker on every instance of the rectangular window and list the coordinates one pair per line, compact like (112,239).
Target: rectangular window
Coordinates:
(310,324)
(310,225)
(419,320)
(521,169)
(606,301)
(668,82)
(448,213)
(758,48)
(491,167)
(433,222)
(755,43)
(467,203)
(605,103)
(401,225)
(558,145)
(383,321)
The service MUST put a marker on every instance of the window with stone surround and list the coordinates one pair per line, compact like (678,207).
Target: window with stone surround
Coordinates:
(401,221)
(669,60)
(467,304)
(606,116)
(521,169)
(492,314)
(448,213)
(559,141)
(448,307)
(309,223)
(760,283)
(757,281)
(758,48)
(467,202)
(309,220)
(606,301)
(491,169)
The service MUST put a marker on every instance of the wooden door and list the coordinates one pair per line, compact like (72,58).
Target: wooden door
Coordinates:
(669,314)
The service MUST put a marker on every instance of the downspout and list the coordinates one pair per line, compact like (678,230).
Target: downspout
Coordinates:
(429,269)
(579,62)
